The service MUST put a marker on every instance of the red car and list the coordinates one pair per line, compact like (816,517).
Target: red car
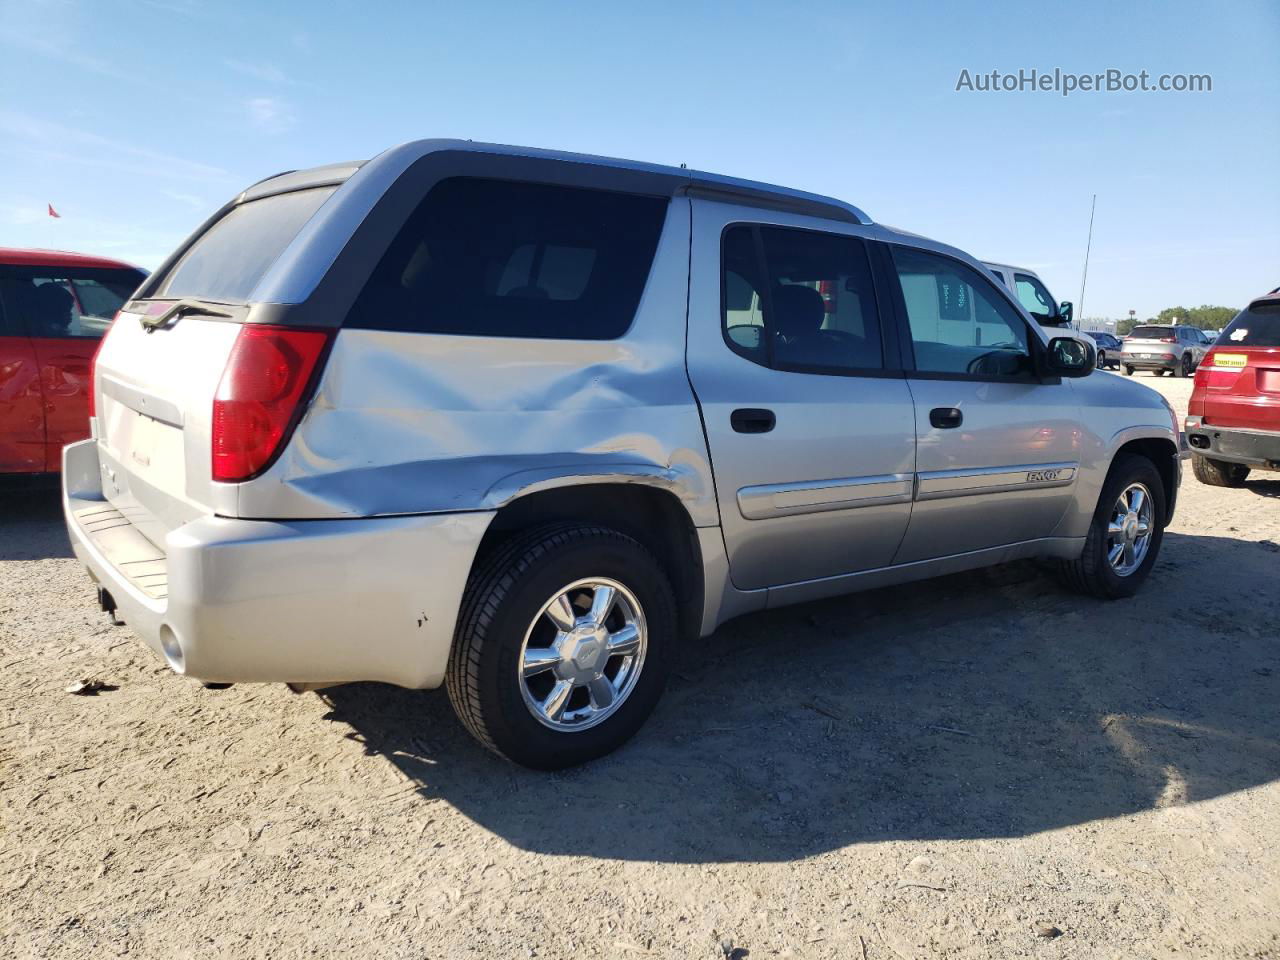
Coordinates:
(54,308)
(1233,420)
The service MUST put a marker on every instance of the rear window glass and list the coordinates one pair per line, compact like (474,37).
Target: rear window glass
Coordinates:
(230,257)
(1151,333)
(508,259)
(1257,326)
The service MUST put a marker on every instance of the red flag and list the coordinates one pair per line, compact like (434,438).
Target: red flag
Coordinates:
(54,213)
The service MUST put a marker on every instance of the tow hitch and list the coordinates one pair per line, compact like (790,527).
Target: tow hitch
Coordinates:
(108,605)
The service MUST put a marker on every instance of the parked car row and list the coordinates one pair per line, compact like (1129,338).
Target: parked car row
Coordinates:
(519,422)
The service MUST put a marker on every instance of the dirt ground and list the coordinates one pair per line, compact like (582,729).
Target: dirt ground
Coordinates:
(932,770)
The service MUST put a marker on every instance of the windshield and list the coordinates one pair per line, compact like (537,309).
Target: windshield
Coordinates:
(1256,326)
(229,258)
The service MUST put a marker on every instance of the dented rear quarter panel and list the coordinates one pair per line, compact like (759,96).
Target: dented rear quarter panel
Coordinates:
(407,423)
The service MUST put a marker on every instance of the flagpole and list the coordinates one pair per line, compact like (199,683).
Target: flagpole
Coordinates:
(1084,276)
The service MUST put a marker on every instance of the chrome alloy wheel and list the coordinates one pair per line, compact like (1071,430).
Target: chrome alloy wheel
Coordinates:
(1129,531)
(582,654)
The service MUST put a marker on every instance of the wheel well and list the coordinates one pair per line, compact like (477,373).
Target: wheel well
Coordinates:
(651,516)
(1161,453)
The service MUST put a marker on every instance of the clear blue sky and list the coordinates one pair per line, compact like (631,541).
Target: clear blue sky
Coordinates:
(136,118)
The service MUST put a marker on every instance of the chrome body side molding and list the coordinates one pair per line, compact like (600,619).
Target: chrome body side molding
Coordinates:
(784,499)
(939,484)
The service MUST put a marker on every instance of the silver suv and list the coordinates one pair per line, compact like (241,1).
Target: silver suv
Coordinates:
(1162,348)
(520,422)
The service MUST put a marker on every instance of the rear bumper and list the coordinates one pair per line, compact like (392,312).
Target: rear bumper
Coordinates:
(1149,363)
(304,601)
(1256,448)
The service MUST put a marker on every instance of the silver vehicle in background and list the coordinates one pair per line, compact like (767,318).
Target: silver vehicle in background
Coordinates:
(1164,348)
(519,422)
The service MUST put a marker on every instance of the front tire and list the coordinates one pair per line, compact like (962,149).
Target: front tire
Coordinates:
(1125,535)
(1185,367)
(1219,473)
(1102,359)
(1128,370)
(562,645)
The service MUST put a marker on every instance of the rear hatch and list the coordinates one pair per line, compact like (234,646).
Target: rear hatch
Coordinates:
(160,366)
(1151,343)
(1238,384)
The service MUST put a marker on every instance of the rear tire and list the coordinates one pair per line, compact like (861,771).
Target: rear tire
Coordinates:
(493,680)
(1094,573)
(1128,370)
(1219,473)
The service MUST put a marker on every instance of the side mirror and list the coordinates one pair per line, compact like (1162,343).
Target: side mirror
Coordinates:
(1065,311)
(1069,357)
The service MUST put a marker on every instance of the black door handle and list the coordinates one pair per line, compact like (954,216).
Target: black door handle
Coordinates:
(752,420)
(944,418)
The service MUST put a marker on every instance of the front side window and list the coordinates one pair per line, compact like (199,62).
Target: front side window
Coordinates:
(960,324)
(799,300)
(66,303)
(500,258)
(1034,297)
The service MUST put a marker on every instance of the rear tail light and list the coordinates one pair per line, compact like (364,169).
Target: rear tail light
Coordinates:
(1220,370)
(264,389)
(93,367)
(1168,340)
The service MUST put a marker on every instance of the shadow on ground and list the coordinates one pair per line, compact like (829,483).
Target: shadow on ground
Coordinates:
(31,525)
(989,704)
(1263,488)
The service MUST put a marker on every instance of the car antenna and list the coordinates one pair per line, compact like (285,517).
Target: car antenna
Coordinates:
(1084,276)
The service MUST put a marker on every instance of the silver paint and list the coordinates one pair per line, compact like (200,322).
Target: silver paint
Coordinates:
(940,484)
(367,525)
(410,423)
(817,496)
(827,426)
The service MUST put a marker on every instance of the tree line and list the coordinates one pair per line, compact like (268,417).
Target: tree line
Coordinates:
(1205,317)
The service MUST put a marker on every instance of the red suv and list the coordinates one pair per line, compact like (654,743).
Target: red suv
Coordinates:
(54,308)
(1233,420)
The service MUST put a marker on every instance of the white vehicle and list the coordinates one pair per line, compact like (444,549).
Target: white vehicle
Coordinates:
(1037,301)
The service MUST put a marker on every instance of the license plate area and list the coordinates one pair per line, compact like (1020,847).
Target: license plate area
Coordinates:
(142,440)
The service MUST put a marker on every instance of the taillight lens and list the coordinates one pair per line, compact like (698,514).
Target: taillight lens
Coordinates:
(1220,370)
(263,389)
(93,367)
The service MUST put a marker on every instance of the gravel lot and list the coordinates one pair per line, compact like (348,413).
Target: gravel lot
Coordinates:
(932,770)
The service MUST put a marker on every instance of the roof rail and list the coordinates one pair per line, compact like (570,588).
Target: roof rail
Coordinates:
(731,190)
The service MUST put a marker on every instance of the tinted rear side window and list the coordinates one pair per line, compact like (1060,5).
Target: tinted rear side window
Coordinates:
(65,302)
(507,259)
(1256,326)
(229,258)
(808,307)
